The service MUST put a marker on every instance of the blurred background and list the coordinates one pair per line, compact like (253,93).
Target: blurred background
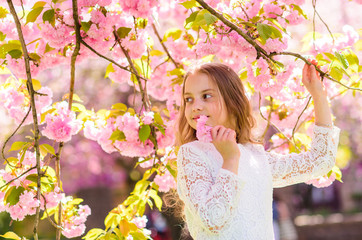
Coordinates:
(105,180)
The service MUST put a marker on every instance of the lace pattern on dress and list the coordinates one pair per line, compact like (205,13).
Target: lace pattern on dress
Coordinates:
(296,168)
(213,199)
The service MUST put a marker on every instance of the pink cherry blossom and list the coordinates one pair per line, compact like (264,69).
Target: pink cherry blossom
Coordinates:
(165,182)
(203,132)
(62,124)
(322,182)
(140,221)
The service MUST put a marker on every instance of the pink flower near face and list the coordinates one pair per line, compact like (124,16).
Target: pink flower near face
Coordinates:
(203,132)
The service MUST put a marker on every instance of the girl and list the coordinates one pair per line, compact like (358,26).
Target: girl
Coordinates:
(227,184)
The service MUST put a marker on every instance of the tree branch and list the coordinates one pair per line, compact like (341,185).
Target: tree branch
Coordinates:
(8,139)
(260,51)
(269,122)
(12,180)
(110,60)
(33,107)
(163,46)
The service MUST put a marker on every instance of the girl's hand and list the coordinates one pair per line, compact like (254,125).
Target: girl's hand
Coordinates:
(312,81)
(224,140)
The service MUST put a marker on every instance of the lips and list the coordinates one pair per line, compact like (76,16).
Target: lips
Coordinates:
(197,117)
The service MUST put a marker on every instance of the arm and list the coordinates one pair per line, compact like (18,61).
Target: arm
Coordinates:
(314,85)
(296,168)
(211,200)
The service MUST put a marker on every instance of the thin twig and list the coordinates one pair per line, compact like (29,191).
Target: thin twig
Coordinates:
(12,180)
(260,51)
(111,60)
(50,220)
(261,114)
(300,115)
(164,47)
(8,139)
(145,100)
(322,74)
(33,107)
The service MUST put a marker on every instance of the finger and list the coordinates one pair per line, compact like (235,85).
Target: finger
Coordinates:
(315,74)
(231,135)
(214,131)
(221,133)
(225,135)
(305,76)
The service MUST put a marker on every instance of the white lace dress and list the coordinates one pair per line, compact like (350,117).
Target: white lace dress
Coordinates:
(222,205)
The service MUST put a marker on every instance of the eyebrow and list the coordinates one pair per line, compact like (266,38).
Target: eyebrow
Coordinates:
(206,90)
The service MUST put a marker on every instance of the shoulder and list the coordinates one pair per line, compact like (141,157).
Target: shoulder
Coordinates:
(197,146)
(254,147)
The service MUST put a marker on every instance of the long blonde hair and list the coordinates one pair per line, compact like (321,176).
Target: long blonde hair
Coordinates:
(236,101)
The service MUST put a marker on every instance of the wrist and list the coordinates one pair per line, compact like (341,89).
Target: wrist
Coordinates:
(319,97)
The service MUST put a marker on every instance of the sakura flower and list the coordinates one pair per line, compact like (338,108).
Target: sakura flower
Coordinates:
(322,182)
(203,132)
(165,182)
(140,221)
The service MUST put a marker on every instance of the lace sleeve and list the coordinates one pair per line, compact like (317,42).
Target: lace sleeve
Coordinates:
(210,199)
(318,161)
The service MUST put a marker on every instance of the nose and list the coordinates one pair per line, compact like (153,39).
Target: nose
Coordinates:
(197,106)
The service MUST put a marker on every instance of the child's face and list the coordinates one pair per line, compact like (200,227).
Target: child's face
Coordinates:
(202,97)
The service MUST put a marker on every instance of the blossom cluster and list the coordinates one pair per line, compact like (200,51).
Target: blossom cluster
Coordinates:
(15,98)
(128,125)
(22,182)
(203,132)
(61,124)
(74,217)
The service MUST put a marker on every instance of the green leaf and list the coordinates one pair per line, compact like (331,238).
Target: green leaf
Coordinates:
(336,73)
(2,36)
(189,4)
(352,60)
(123,32)
(16,53)
(34,14)
(300,11)
(34,56)
(209,18)
(77,107)
(175,33)
(138,235)
(190,20)
(266,31)
(39,4)
(13,194)
(94,234)
(156,199)
(47,148)
(144,132)
(158,118)
(36,84)
(3,12)
(48,48)
(172,172)
(7,47)
(85,26)
(118,135)
(141,186)
(17,146)
(49,16)
(11,235)
(341,58)
(109,70)
(120,106)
